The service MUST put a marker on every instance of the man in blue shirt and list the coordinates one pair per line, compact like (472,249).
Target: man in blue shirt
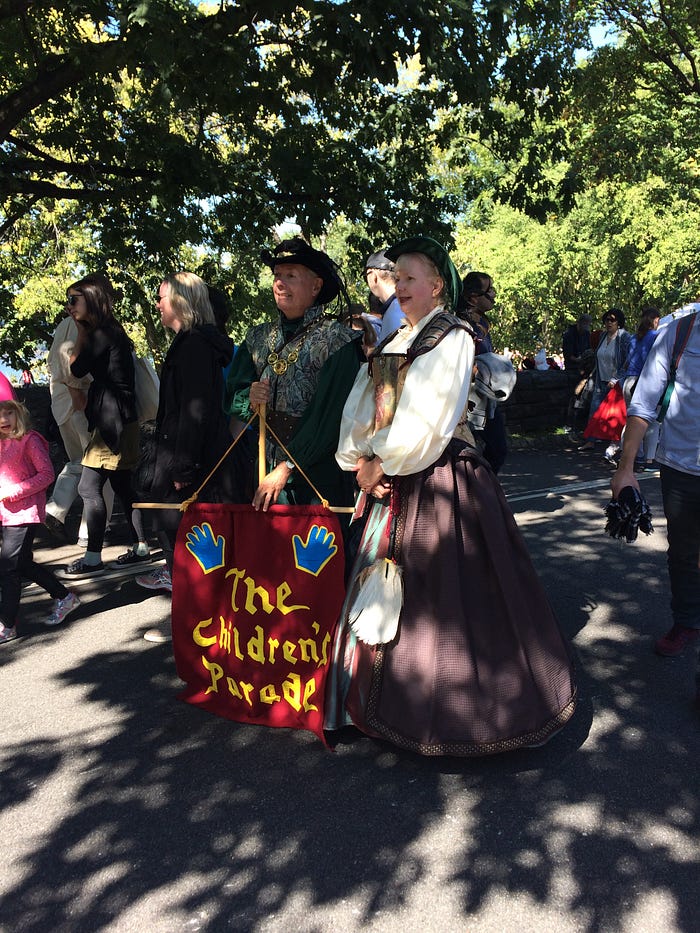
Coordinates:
(379,272)
(678,454)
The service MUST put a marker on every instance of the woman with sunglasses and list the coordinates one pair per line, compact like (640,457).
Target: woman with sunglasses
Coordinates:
(610,358)
(68,398)
(103,351)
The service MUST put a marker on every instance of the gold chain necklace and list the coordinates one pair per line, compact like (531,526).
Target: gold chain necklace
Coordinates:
(280,364)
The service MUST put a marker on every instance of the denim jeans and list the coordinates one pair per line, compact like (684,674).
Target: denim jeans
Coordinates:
(17,561)
(681,497)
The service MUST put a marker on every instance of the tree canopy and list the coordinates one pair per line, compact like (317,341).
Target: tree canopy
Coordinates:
(158,124)
(220,119)
(140,136)
(616,174)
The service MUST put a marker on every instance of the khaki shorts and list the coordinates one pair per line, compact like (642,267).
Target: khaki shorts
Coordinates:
(98,455)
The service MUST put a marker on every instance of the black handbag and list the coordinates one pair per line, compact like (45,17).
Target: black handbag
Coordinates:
(144,472)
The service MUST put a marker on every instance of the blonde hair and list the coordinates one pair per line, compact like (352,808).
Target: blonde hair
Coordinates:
(24,420)
(189,297)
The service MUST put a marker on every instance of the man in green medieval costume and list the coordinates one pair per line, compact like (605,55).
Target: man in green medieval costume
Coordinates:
(301,366)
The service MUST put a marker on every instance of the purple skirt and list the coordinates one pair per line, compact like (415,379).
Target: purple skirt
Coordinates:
(479,664)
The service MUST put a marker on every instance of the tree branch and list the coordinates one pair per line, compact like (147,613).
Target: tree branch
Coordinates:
(57,74)
(684,49)
(44,164)
(47,189)
(636,24)
(18,214)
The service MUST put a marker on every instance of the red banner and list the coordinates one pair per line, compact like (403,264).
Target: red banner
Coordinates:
(256,596)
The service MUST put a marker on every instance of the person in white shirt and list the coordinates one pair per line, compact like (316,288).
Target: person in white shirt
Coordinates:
(678,454)
(68,399)
(379,272)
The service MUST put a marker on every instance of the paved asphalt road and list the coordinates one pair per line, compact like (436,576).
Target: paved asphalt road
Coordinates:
(126,810)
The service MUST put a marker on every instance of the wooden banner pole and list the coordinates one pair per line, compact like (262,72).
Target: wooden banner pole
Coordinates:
(262,428)
(262,472)
(155,505)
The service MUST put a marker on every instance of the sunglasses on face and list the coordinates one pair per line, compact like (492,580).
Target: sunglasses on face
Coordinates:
(72,299)
(158,298)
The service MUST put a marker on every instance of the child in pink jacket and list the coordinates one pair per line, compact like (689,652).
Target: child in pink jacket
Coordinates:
(25,474)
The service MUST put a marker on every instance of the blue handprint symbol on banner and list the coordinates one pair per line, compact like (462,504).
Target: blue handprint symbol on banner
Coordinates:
(207,550)
(312,555)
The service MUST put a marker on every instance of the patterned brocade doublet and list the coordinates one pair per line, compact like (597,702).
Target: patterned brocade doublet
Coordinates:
(317,339)
(310,364)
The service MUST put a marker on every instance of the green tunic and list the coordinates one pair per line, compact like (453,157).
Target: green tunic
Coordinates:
(311,391)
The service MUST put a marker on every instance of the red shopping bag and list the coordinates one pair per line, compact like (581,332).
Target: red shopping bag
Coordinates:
(608,420)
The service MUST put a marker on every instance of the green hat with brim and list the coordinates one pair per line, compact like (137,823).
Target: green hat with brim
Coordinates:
(439,255)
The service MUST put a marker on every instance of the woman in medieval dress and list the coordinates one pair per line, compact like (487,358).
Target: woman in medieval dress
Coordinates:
(478,664)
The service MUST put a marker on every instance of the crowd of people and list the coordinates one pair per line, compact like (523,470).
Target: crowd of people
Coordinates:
(376,409)
(610,363)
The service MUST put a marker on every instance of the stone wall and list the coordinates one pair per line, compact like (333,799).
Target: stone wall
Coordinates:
(38,401)
(540,401)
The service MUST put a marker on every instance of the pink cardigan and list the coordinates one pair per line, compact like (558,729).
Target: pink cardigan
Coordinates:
(25,473)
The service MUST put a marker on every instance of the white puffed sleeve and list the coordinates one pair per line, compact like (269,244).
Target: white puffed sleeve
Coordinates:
(357,423)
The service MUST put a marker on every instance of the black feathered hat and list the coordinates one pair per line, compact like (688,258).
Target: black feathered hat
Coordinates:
(628,514)
(299,252)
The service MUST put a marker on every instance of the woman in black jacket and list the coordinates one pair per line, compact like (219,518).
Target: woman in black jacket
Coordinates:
(191,429)
(103,351)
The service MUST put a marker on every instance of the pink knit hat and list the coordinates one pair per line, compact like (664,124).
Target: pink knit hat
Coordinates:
(7,393)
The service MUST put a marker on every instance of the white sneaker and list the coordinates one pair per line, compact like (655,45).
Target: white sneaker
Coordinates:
(7,633)
(62,608)
(158,580)
(159,635)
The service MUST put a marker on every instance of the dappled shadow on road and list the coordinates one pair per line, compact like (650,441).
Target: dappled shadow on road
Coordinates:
(223,826)
(622,817)
(32,628)
(249,816)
